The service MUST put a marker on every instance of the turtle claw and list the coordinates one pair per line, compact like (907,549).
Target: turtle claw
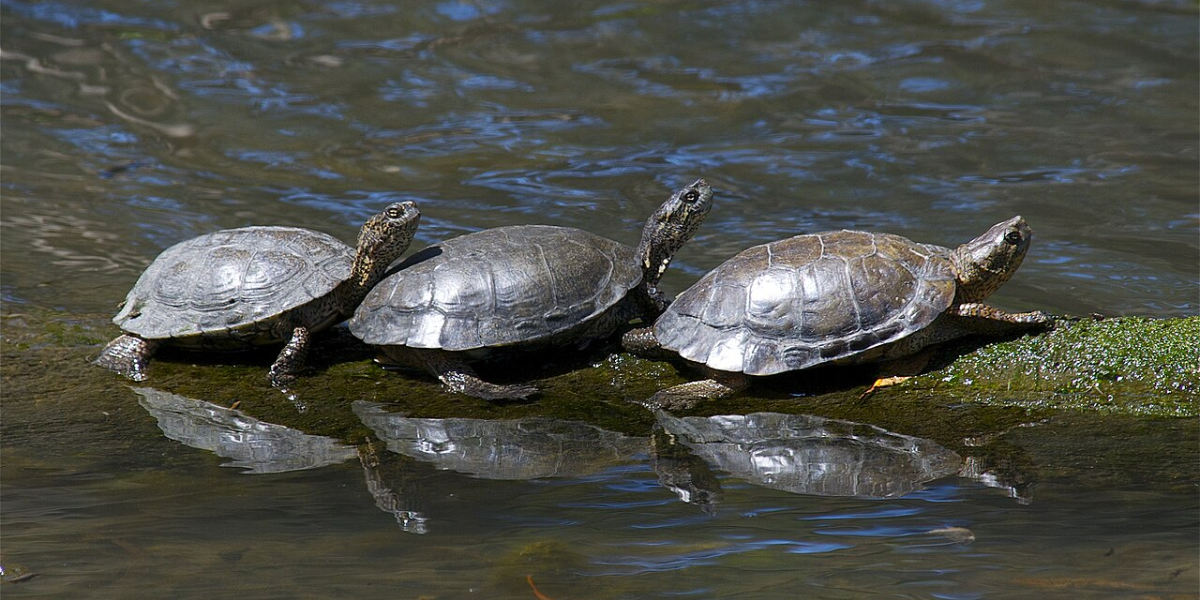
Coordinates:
(1043,319)
(280,379)
(290,360)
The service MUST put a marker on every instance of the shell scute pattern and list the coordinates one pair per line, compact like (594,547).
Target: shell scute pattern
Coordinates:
(233,280)
(795,303)
(461,286)
(825,304)
(497,287)
(460,329)
(769,300)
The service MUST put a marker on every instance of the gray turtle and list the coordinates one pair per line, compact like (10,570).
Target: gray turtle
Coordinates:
(252,286)
(521,288)
(840,297)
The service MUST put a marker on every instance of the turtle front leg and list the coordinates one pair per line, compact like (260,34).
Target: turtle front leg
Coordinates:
(686,395)
(459,377)
(128,355)
(291,359)
(970,318)
(983,319)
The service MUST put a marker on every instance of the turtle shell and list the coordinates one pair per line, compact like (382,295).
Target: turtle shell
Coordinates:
(808,300)
(497,287)
(234,283)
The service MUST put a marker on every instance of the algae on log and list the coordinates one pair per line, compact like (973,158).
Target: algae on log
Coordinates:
(1130,365)
(1133,365)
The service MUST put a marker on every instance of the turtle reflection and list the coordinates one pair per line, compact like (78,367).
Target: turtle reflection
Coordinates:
(683,472)
(257,446)
(810,455)
(519,449)
(262,447)
(397,504)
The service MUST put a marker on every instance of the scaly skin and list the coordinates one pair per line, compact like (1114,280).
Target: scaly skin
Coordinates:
(665,232)
(642,342)
(971,318)
(686,395)
(291,359)
(459,377)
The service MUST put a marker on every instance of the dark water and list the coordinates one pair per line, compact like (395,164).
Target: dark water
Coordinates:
(128,126)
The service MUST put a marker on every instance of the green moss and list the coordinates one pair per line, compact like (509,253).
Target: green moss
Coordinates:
(41,329)
(1129,365)
(1132,366)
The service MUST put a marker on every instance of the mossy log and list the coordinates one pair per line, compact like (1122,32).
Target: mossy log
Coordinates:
(1135,366)
(1127,365)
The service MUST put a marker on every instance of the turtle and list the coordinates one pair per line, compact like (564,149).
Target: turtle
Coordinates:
(507,290)
(836,297)
(252,286)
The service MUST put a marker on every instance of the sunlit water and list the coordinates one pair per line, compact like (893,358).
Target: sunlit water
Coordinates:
(128,126)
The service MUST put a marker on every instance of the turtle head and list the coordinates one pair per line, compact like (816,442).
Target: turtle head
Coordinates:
(983,264)
(382,239)
(670,227)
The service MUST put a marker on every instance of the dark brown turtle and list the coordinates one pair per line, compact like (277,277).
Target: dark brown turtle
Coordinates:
(253,286)
(839,297)
(521,288)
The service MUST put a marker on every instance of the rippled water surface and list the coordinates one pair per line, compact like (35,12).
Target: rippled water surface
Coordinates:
(128,126)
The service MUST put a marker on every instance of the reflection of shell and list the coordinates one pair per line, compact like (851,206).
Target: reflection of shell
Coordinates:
(812,455)
(503,449)
(254,445)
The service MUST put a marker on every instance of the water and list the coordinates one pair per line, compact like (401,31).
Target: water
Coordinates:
(128,126)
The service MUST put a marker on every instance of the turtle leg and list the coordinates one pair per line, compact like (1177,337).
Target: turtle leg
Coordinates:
(128,355)
(641,342)
(685,395)
(971,318)
(291,359)
(459,377)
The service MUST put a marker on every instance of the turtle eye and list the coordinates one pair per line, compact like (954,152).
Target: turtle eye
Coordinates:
(1013,237)
(691,196)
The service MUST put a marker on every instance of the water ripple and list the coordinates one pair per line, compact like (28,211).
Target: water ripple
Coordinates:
(75,17)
